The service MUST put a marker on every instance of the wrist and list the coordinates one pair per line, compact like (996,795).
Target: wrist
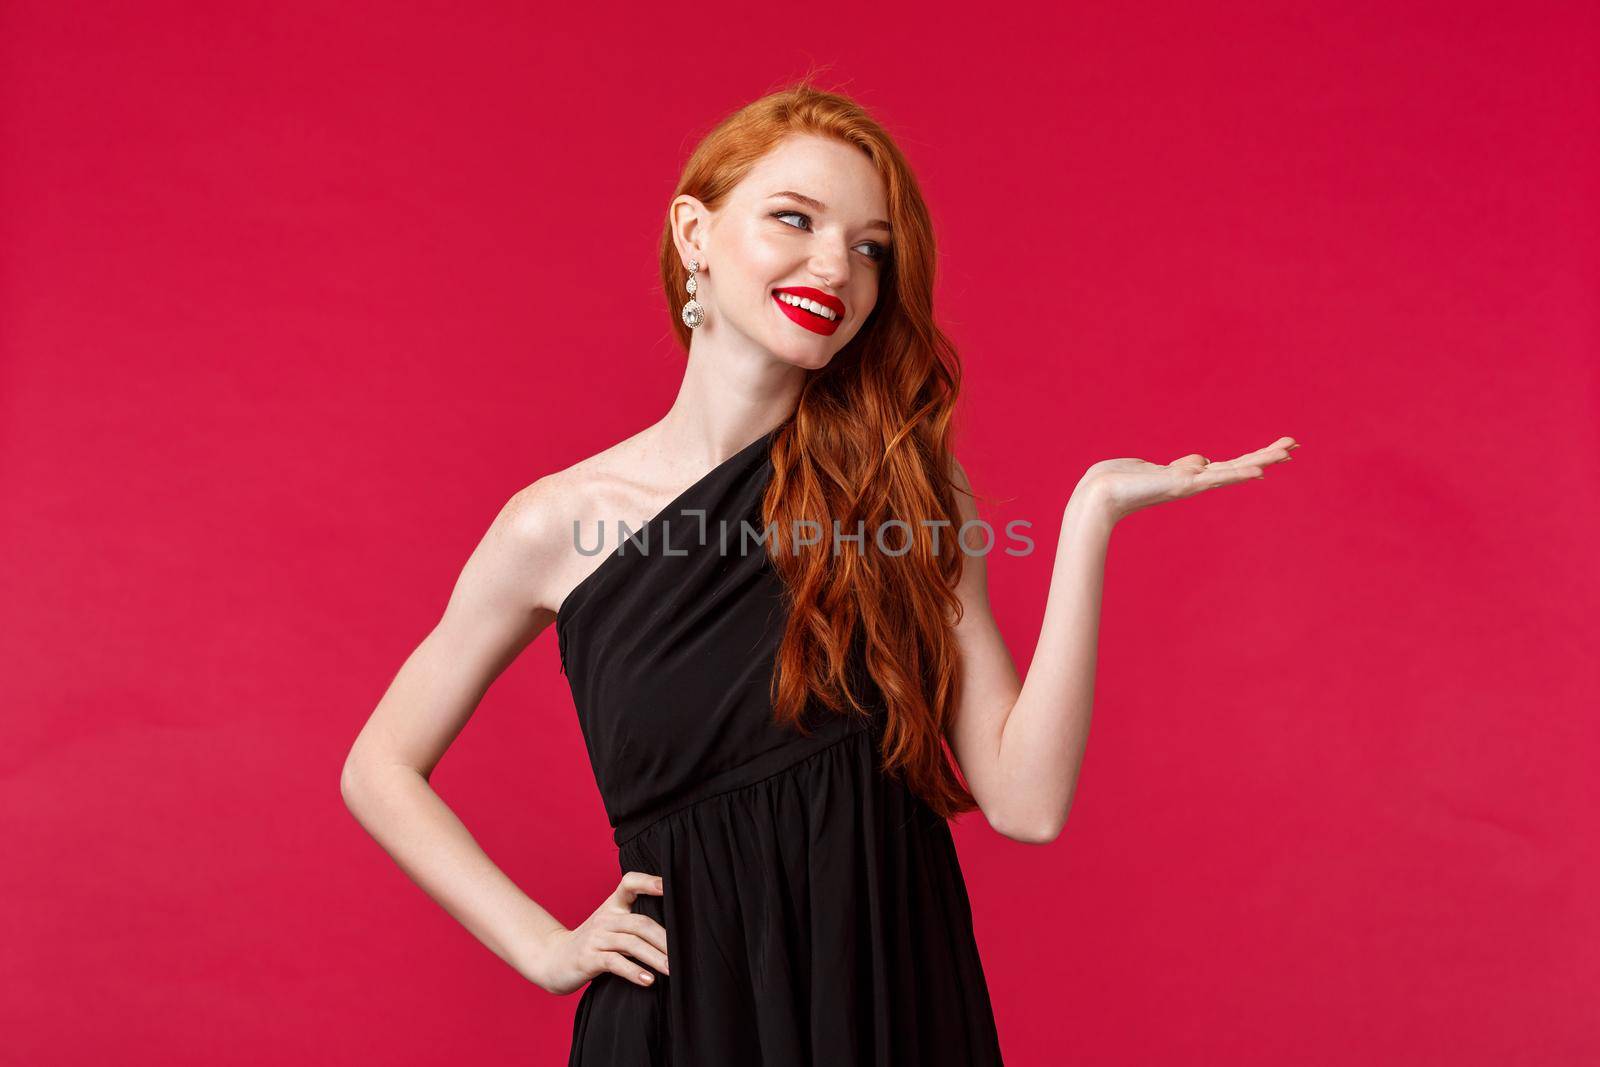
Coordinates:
(532,955)
(1090,506)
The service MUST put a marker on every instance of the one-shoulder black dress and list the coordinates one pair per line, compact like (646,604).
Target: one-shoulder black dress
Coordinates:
(814,907)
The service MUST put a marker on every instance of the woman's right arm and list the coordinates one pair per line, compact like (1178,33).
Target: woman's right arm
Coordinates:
(499,604)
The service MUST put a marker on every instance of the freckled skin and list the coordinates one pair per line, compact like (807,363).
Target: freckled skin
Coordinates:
(747,252)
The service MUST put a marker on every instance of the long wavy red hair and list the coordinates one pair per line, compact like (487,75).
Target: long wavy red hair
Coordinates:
(868,442)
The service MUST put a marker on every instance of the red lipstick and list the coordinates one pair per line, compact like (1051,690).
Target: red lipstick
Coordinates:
(809,319)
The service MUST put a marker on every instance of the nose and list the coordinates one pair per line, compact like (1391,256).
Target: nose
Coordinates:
(831,265)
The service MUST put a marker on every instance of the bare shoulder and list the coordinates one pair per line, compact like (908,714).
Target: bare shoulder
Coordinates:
(965,503)
(541,520)
(958,474)
(973,583)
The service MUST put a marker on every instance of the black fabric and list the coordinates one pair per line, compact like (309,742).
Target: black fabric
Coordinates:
(814,907)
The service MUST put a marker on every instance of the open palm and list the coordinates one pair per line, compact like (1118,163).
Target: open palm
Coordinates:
(1127,485)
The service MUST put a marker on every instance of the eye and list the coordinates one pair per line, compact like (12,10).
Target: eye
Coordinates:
(878,251)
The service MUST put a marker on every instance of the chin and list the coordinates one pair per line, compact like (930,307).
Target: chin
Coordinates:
(806,359)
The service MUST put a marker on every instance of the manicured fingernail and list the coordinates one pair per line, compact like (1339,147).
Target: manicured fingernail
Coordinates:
(647,976)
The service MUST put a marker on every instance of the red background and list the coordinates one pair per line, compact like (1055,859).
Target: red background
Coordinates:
(294,297)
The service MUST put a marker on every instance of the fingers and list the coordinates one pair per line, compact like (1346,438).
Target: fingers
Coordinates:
(629,932)
(623,967)
(1229,472)
(1204,474)
(635,946)
(1218,475)
(645,927)
(635,882)
(1276,452)
(1255,462)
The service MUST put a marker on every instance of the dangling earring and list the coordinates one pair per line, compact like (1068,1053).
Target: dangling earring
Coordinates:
(694,313)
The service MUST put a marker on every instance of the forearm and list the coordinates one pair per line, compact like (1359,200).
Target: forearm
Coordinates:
(1042,740)
(413,824)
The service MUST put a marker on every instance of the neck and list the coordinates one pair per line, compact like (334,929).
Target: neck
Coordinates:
(730,395)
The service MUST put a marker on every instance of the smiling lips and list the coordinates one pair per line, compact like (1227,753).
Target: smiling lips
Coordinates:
(811,308)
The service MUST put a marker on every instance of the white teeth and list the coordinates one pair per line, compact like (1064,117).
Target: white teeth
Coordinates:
(810,305)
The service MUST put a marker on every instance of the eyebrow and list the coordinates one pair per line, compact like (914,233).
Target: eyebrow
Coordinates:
(818,205)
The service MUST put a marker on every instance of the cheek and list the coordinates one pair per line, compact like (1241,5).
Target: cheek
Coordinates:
(766,262)
(751,266)
(867,301)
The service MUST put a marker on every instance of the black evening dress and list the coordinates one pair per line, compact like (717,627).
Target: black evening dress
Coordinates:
(814,907)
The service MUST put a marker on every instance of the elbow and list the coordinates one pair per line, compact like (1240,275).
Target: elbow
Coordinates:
(1039,835)
(350,783)
(347,783)
(1029,831)
(368,781)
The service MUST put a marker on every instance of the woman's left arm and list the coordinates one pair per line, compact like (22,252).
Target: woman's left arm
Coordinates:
(1020,744)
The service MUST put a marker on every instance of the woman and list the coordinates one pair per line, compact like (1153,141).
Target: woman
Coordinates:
(766,725)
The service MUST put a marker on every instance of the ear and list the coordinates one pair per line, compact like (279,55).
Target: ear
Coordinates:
(690,223)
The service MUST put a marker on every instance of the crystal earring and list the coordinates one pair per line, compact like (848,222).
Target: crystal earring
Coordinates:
(694,313)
